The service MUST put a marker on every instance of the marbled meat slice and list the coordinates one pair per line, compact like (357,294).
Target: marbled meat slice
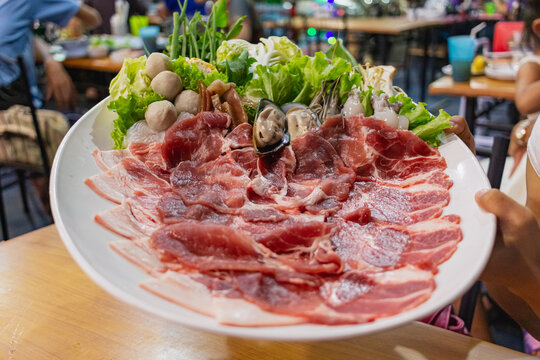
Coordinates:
(425,244)
(198,139)
(393,204)
(130,176)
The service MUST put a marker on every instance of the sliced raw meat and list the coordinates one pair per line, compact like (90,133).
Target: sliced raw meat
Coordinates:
(128,177)
(150,155)
(219,184)
(208,247)
(142,257)
(199,138)
(376,150)
(240,137)
(426,244)
(109,158)
(395,204)
(375,295)
(133,219)
(172,209)
(187,293)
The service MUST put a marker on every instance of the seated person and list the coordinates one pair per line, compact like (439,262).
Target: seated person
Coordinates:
(16,39)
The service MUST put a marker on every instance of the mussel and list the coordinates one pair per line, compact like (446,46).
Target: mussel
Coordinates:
(270,131)
(300,119)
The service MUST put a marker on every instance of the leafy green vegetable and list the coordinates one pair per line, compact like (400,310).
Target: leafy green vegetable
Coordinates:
(237,70)
(366,101)
(190,74)
(276,83)
(315,70)
(130,79)
(347,82)
(276,50)
(338,50)
(416,113)
(430,131)
(200,38)
(130,109)
(250,112)
(232,49)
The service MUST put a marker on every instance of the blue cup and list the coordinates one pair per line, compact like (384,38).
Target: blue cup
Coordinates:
(461,51)
(149,35)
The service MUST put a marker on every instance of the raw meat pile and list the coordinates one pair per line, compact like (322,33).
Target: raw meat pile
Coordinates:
(342,226)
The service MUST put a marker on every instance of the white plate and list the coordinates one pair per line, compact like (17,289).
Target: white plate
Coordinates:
(501,72)
(74,206)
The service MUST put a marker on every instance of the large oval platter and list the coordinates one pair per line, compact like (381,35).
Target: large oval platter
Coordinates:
(74,206)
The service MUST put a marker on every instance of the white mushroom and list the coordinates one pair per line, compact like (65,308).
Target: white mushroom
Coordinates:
(156,63)
(167,84)
(187,101)
(160,115)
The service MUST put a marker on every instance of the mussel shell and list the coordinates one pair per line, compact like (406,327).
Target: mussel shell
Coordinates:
(276,146)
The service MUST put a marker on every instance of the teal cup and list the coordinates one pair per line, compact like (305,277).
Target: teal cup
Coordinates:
(461,51)
(149,35)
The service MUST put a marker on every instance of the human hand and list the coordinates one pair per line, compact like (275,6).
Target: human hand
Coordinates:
(59,85)
(461,129)
(75,27)
(517,247)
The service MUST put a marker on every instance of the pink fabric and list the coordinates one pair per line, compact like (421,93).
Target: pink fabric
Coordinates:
(446,319)
(531,344)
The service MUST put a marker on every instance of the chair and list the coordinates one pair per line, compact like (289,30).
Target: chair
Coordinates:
(495,172)
(504,33)
(21,168)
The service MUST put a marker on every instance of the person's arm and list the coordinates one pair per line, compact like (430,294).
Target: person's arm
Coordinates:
(89,17)
(533,190)
(58,83)
(513,270)
(528,88)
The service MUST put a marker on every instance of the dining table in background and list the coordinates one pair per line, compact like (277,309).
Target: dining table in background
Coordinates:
(50,309)
(105,64)
(477,86)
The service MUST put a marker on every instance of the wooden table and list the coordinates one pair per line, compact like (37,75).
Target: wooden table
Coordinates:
(477,86)
(383,25)
(49,309)
(101,65)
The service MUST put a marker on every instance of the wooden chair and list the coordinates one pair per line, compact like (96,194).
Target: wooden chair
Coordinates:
(22,169)
(499,152)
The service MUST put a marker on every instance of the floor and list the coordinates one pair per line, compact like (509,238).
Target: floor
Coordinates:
(503,330)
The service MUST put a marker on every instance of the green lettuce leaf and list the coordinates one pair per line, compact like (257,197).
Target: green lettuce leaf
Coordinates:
(191,74)
(237,69)
(430,132)
(231,49)
(338,50)
(130,109)
(276,83)
(315,70)
(366,101)
(130,79)
(416,113)
(348,81)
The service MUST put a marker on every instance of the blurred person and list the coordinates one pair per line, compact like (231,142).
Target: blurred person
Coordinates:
(17,18)
(106,9)
(512,275)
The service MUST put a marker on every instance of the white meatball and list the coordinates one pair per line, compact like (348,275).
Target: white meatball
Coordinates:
(156,63)
(187,101)
(167,84)
(160,115)
(389,116)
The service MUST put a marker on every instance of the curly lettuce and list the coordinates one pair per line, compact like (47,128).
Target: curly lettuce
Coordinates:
(192,72)
(130,109)
(131,79)
(276,83)
(432,130)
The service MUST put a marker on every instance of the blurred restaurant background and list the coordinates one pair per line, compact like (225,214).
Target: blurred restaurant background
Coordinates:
(410,35)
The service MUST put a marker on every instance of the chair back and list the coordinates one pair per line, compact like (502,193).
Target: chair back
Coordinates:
(504,33)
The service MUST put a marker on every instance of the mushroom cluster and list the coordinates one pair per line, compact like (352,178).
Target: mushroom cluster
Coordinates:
(160,115)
